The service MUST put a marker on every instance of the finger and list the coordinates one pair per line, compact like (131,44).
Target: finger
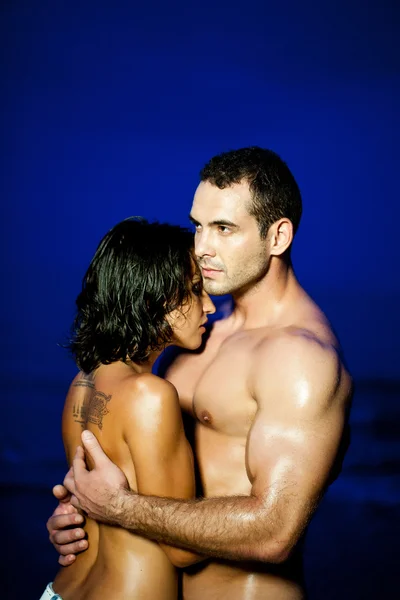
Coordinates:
(72,548)
(61,493)
(60,521)
(94,449)
(67,541)
(75,502)
(65,508)
(64,561)
(69,475)
(69,482)
(78,466)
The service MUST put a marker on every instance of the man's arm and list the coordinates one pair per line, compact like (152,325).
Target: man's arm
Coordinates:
(300,387)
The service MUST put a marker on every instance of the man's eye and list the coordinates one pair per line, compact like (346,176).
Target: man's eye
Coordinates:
(223,229)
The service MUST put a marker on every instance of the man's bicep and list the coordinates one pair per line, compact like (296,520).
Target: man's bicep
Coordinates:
(296,435)
(293,453)
(301,390)
(290,462)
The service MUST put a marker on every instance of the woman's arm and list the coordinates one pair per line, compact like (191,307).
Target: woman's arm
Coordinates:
(161,454)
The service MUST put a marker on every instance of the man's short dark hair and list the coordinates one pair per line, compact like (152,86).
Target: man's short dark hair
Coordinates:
(275,193)
(140,272)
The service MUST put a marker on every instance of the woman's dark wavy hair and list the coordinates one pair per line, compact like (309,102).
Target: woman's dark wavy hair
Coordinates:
(140,272)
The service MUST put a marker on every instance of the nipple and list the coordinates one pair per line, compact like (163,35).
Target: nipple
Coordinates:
(206,417)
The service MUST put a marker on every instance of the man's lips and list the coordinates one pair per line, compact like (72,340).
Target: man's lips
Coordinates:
(210,270)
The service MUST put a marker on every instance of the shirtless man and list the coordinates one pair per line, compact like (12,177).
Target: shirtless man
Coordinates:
(269,392)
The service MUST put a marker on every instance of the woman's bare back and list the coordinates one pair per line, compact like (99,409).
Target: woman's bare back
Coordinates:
(124,409)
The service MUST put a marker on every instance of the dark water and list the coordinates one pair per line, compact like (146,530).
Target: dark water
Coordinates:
(352,546)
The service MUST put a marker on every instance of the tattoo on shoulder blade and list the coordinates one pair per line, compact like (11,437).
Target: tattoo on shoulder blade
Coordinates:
(93,407)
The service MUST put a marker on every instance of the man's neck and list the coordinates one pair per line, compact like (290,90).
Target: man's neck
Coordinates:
(263,303)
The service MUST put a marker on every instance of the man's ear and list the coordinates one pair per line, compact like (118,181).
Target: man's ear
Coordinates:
(280,236)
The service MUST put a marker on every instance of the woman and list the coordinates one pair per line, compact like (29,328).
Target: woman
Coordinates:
(141,293)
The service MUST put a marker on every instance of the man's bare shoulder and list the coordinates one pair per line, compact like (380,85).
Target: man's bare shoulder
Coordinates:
(297,363)
(294,342)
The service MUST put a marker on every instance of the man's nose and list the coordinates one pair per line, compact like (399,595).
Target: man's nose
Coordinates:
(202,245)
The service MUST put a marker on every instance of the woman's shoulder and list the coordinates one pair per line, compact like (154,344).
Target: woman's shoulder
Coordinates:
(148,383)
(149,391)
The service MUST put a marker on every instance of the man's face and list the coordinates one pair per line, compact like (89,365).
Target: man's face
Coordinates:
(230,252)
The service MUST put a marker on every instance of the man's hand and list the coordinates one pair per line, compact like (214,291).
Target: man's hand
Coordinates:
(63,538)
(98,492)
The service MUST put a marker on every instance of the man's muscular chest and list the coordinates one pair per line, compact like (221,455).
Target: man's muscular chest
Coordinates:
(215,384)
(222,398)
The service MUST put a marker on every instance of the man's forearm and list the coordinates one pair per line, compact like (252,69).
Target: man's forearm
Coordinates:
(236,528)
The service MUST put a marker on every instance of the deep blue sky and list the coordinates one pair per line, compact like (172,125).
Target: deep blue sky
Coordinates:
(110,110)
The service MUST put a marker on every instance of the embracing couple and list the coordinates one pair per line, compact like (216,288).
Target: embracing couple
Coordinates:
(264,386)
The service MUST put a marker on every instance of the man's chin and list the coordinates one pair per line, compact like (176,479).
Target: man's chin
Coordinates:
(214,289)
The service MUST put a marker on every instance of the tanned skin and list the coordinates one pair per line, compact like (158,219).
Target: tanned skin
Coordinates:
(270,395)
(137,419)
